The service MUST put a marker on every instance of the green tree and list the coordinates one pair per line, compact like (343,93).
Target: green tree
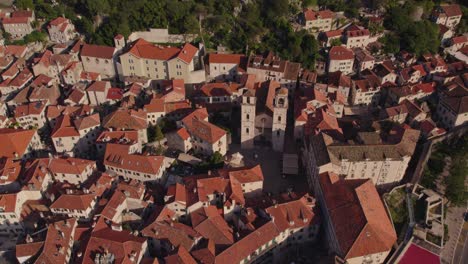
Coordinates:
(24,4)
(335,42)
(391,43)
(309,55)
(217,160)
(309,3)
(421,37)
(155,133)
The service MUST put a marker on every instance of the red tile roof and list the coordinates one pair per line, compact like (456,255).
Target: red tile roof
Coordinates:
(187,53)
(70,165)
(249,244)
(58,241)
(451,10)
(205,130)
(239,59)
(97,51)
(122,244)
(98,86)
(211,225)
(341,53)
(114,94)
(417,254)
(310,14)
(8,202)
(246,175)
(32,108)
(143,49)
(64,128)
(117,156)
(124,119)
(181,257)
(183,133)
(73,201)
(14,141)
(360,221)
(57,21)
(15,20)
(9,170)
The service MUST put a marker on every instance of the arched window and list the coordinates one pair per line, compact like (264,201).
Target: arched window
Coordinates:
(247,116)
(247,130)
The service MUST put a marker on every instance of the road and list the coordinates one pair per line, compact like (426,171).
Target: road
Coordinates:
(461,251)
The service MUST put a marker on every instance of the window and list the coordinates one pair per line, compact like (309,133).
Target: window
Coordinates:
(247,130)
(247,116)
(279,118)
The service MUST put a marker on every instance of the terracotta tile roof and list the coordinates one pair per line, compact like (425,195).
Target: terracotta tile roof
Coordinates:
(323,120)
(86,122)
(57,242)
(22,78)
(124,119)
(143,49)
(32,108)
(89,76)
(73,201)
(426,88)
(187,53)
(205,130)
(212,226)
(338,79)
(417,254)
(341,53)
(121,137)
(239,59)
(456,99)
(15,50)
(249,244)
(183,133)
(116,156)
(156,105)
(199,113)
(360,221)
(97,51)
(70,165)
(357,33)
(76,96)
(459,40)
(114,94)
(57,21)
(218,89)
(363,55)
(98,86)
(246,175)
(177,234)
(181,257)
(8,202)
(294,214)
(22,13)
(64,128)
(125,247)
(14,142)
(54,111)
(451,10)
(334,33)
(174,87)
(9,170)
(310,14)
(15,20)
(183,107)
(29,249)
